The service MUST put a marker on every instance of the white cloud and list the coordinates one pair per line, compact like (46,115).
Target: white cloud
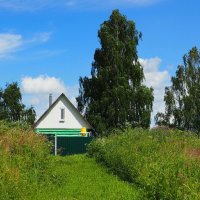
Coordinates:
(150,64)
(24,5)
(156,79)
(30,5)
(10,42)
(40,37)
(36,91)
(42,84)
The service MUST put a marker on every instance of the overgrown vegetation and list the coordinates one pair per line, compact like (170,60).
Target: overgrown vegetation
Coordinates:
(26,167)
(164,163)
(28,171)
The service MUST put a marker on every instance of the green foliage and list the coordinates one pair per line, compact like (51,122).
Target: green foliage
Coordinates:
(163,163)
(26,167)
(11,107)
(115,94)
(28,171)
(182,98)
(12,101)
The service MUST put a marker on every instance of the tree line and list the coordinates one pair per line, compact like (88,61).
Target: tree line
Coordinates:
(11,107)
(115,96)
(182,98)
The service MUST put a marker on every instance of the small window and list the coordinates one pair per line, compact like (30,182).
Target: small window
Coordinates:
(62,114)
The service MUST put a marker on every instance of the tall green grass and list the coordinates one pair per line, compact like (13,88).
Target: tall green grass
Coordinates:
(25,163)
(165,164)
(86,180)
(28,171)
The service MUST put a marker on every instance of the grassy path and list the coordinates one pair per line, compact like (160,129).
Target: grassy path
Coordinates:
(84,179)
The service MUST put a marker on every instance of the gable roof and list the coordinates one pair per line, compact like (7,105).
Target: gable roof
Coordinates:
(53,104)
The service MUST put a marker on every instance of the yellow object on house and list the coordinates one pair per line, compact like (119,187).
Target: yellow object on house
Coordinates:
(83,131)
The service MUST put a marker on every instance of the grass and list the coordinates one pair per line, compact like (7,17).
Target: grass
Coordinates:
(163,163)
(84,179)
(157,164)
(28,171)
(25,163)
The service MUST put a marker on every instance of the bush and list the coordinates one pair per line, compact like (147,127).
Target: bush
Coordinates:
(164,163)
(25,163)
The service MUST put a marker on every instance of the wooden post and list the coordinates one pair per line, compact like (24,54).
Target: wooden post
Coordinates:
(55,145)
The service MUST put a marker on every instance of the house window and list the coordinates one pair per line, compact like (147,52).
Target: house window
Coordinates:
(62,114)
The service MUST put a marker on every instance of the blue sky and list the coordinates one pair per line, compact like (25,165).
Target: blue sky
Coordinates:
(46,45)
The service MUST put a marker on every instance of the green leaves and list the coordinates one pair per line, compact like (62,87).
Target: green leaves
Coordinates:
(163,163)
(11,106)
(114,95)
(182,98)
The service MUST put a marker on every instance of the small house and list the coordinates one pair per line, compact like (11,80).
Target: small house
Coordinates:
(65,126)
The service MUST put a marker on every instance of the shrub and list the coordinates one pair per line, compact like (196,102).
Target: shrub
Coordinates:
(164,163)
(25,163)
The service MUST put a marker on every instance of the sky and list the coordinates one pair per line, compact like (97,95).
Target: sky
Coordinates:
(46,45)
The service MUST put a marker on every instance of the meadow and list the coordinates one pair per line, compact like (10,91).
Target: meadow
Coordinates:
(29,171)
(163,163)
(127,164)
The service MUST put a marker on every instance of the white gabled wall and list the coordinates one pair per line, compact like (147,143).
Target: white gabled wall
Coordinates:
(73,120)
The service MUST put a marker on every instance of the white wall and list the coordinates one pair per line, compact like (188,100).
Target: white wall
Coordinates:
(73,120)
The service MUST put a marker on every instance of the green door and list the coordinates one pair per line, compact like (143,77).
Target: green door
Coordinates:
(72,145)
